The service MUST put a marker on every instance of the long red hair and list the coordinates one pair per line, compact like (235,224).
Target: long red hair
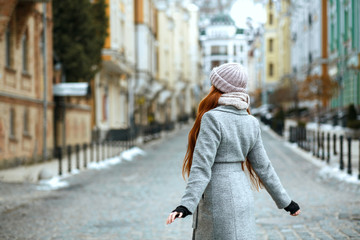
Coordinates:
(208,103)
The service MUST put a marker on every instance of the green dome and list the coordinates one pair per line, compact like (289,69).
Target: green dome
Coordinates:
(222,19)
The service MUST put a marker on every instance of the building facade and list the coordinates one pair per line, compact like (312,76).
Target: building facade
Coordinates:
(146,86)
(26,102)
(344,51)
(179,60)
(113,86)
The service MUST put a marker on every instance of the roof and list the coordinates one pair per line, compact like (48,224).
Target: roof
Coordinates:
(222,19)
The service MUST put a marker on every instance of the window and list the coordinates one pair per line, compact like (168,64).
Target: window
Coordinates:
(270,19)
(271,69)
(271,43)
(12,123)
(241,48)
(8,47)
(24,47)
(26,121)
(310,57)
(215,64)
(218,50)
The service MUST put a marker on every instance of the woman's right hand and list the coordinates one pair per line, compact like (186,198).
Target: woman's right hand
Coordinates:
(296,213)
(293,208)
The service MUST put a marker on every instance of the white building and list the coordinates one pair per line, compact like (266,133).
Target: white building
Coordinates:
(306,38)
(222,42)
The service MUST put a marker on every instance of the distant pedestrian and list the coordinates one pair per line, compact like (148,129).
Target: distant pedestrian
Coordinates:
(224,138)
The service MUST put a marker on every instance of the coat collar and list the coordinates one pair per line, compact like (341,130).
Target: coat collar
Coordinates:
(231,109)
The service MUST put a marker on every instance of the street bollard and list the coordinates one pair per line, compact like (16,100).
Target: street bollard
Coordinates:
(103,151)
(349,170)
(314,143)
(334,142)
(323,146)
(85,154)
(328,148)
(59,154)
(318,145)
(109,149)
(341,153)
(92,155)
(77,150)
(359,161)
(69,157)
(98,152)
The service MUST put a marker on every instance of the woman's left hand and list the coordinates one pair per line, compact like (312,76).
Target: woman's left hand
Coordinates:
(173,216)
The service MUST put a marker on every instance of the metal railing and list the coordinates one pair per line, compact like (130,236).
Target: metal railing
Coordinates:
(327,146)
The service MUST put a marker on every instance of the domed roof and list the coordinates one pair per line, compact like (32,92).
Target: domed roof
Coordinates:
(222,19)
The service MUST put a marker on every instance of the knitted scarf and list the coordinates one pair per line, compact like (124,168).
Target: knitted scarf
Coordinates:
(239,100)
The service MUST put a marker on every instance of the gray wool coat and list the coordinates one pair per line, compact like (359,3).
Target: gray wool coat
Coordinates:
(218,192)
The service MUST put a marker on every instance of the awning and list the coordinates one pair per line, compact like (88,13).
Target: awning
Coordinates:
(70,89)
(153,89)
(115,67)
(164,96)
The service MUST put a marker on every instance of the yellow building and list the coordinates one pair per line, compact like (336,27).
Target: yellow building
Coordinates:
(277,43)
(26,133)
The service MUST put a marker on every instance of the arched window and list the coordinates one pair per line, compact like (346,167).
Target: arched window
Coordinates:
(25,54)
(271,69)
(271,45)
(26,121)
(8,47)
(12,123)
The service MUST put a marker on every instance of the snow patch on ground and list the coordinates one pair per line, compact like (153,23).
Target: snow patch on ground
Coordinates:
(58,182)
(130,154)
(52,184)
(335,172)
(105,164)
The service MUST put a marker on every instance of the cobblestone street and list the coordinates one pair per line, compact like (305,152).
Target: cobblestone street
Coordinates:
(131,200)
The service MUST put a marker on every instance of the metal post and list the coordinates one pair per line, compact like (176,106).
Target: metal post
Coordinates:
(103,151)
(85,154)
(318,145)
(341,153)
(314,143)
(59,154)
(328,148)
(323,146)
(98,152)
(45,103)
(334,144)
(92,155)
(77,150)
(69,157)
(349,170)
(359,161)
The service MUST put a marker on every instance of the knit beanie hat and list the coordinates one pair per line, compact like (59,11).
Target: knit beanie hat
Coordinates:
(229,77)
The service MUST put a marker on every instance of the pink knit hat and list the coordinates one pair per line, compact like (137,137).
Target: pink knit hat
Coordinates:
(229,77)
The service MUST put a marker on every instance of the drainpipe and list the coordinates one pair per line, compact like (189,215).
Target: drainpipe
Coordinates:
(45,83)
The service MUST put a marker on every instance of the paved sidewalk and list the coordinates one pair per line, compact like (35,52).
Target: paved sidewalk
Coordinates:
(131,200)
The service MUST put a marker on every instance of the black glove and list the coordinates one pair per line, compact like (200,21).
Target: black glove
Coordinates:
(292,208)
(183,210)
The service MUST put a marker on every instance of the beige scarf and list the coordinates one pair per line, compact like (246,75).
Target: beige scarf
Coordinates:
(239,100)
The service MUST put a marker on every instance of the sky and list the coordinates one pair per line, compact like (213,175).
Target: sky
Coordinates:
(247,8)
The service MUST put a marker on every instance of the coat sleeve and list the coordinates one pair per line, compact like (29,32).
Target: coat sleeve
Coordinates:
(264,169)
(205,150)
